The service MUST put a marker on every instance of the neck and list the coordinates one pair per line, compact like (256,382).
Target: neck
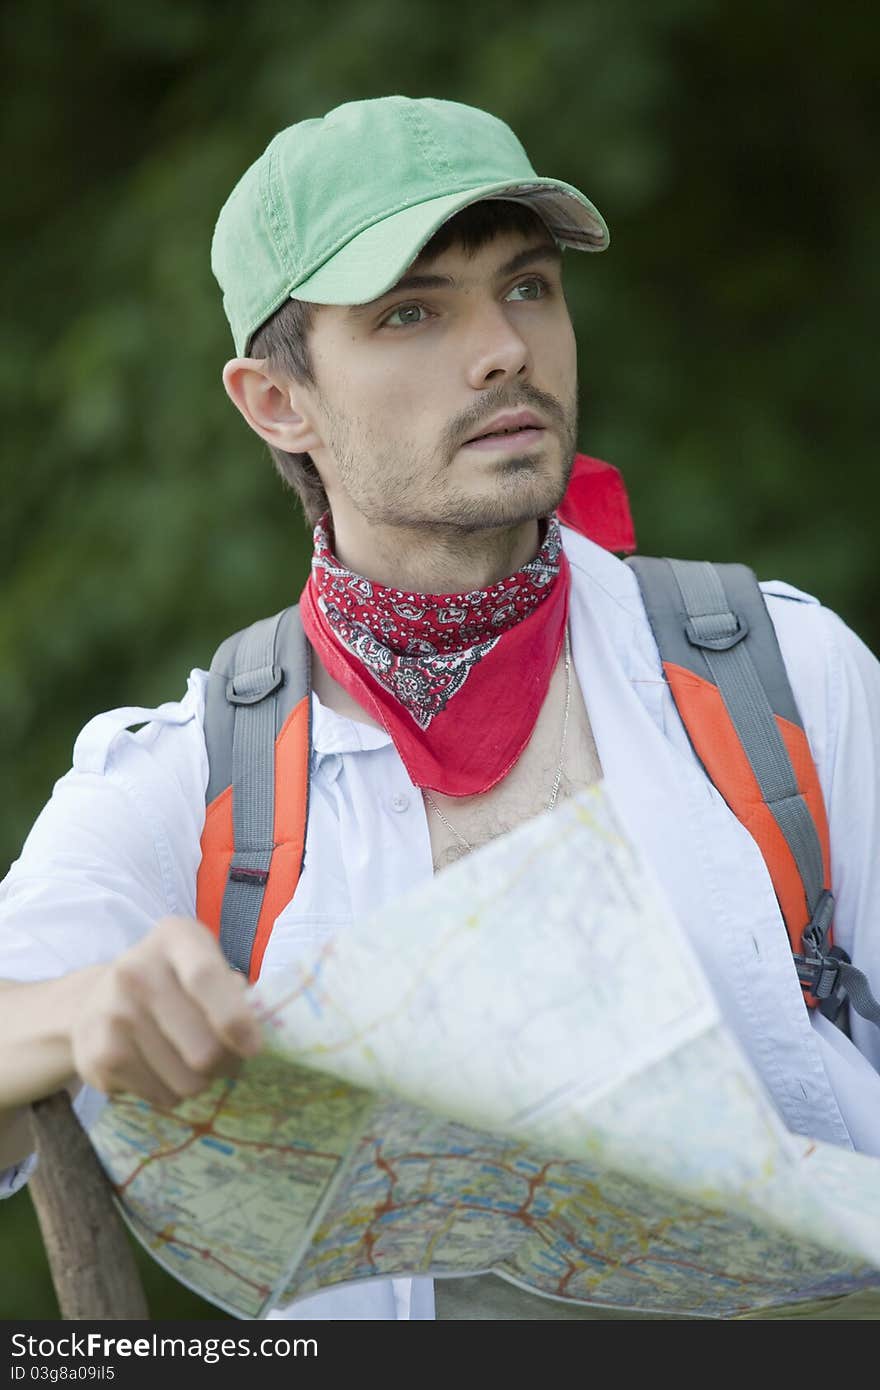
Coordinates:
(435,562)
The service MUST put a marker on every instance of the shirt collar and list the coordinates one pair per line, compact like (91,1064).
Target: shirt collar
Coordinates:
(336,733)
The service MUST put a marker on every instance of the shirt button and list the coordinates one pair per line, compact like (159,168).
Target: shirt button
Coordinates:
(399,802)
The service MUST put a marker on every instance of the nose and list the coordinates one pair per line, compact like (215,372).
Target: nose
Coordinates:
(497,350)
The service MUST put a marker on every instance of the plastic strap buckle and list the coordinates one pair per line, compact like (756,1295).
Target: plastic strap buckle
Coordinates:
(819,969)
(820,974)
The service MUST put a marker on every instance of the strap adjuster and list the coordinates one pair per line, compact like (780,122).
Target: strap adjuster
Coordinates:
(816,931)
(819,970)
(820,974)
(717,632)
(250,687)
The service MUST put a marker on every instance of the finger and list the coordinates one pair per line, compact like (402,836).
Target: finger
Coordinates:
(166,1068)
(186,1027)
(143,1083)
(219,991)
(127,1074)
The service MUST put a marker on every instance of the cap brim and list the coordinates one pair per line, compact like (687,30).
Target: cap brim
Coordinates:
(374,260)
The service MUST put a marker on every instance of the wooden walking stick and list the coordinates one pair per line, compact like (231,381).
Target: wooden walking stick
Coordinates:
(90,1258)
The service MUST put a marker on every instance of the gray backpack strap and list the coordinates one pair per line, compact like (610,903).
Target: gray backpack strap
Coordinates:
(719,616)
(257,677)
(712,620)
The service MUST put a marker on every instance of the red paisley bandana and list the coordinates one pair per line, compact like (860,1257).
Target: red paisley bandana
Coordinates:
(437,670)
(457,680)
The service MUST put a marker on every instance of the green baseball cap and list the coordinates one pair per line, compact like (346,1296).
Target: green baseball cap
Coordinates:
(337,208)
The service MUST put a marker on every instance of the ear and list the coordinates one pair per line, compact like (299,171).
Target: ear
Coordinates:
(279,411)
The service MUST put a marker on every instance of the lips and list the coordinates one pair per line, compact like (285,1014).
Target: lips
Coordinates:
(514,422)
(499,434)
(514,443)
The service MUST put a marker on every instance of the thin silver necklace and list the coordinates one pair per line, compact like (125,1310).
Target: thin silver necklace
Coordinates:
(557,779)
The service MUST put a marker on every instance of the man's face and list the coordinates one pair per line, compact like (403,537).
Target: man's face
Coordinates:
(405,381)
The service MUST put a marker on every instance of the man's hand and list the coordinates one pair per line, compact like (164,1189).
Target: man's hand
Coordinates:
(165,1019)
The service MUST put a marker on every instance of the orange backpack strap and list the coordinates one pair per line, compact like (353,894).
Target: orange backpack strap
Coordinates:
(722,660)
(258,740)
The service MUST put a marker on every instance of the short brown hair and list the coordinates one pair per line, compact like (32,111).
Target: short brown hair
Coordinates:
(284,338)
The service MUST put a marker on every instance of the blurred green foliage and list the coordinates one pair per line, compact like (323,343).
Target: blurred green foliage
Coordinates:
(727,340)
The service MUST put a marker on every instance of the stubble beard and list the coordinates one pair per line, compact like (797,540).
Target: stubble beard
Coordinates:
(533,491)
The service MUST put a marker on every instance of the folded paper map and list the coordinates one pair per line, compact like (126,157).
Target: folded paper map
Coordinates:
(518,1068)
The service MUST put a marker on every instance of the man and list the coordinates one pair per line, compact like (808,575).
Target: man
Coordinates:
(392,277)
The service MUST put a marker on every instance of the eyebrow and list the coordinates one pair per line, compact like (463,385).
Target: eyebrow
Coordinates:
(545,251)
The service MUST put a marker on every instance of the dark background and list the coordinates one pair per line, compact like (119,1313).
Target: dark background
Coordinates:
(727,339)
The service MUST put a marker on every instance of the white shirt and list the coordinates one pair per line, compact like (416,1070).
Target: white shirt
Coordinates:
(118,846)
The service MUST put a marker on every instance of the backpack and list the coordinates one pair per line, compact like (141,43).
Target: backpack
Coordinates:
(725,670)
